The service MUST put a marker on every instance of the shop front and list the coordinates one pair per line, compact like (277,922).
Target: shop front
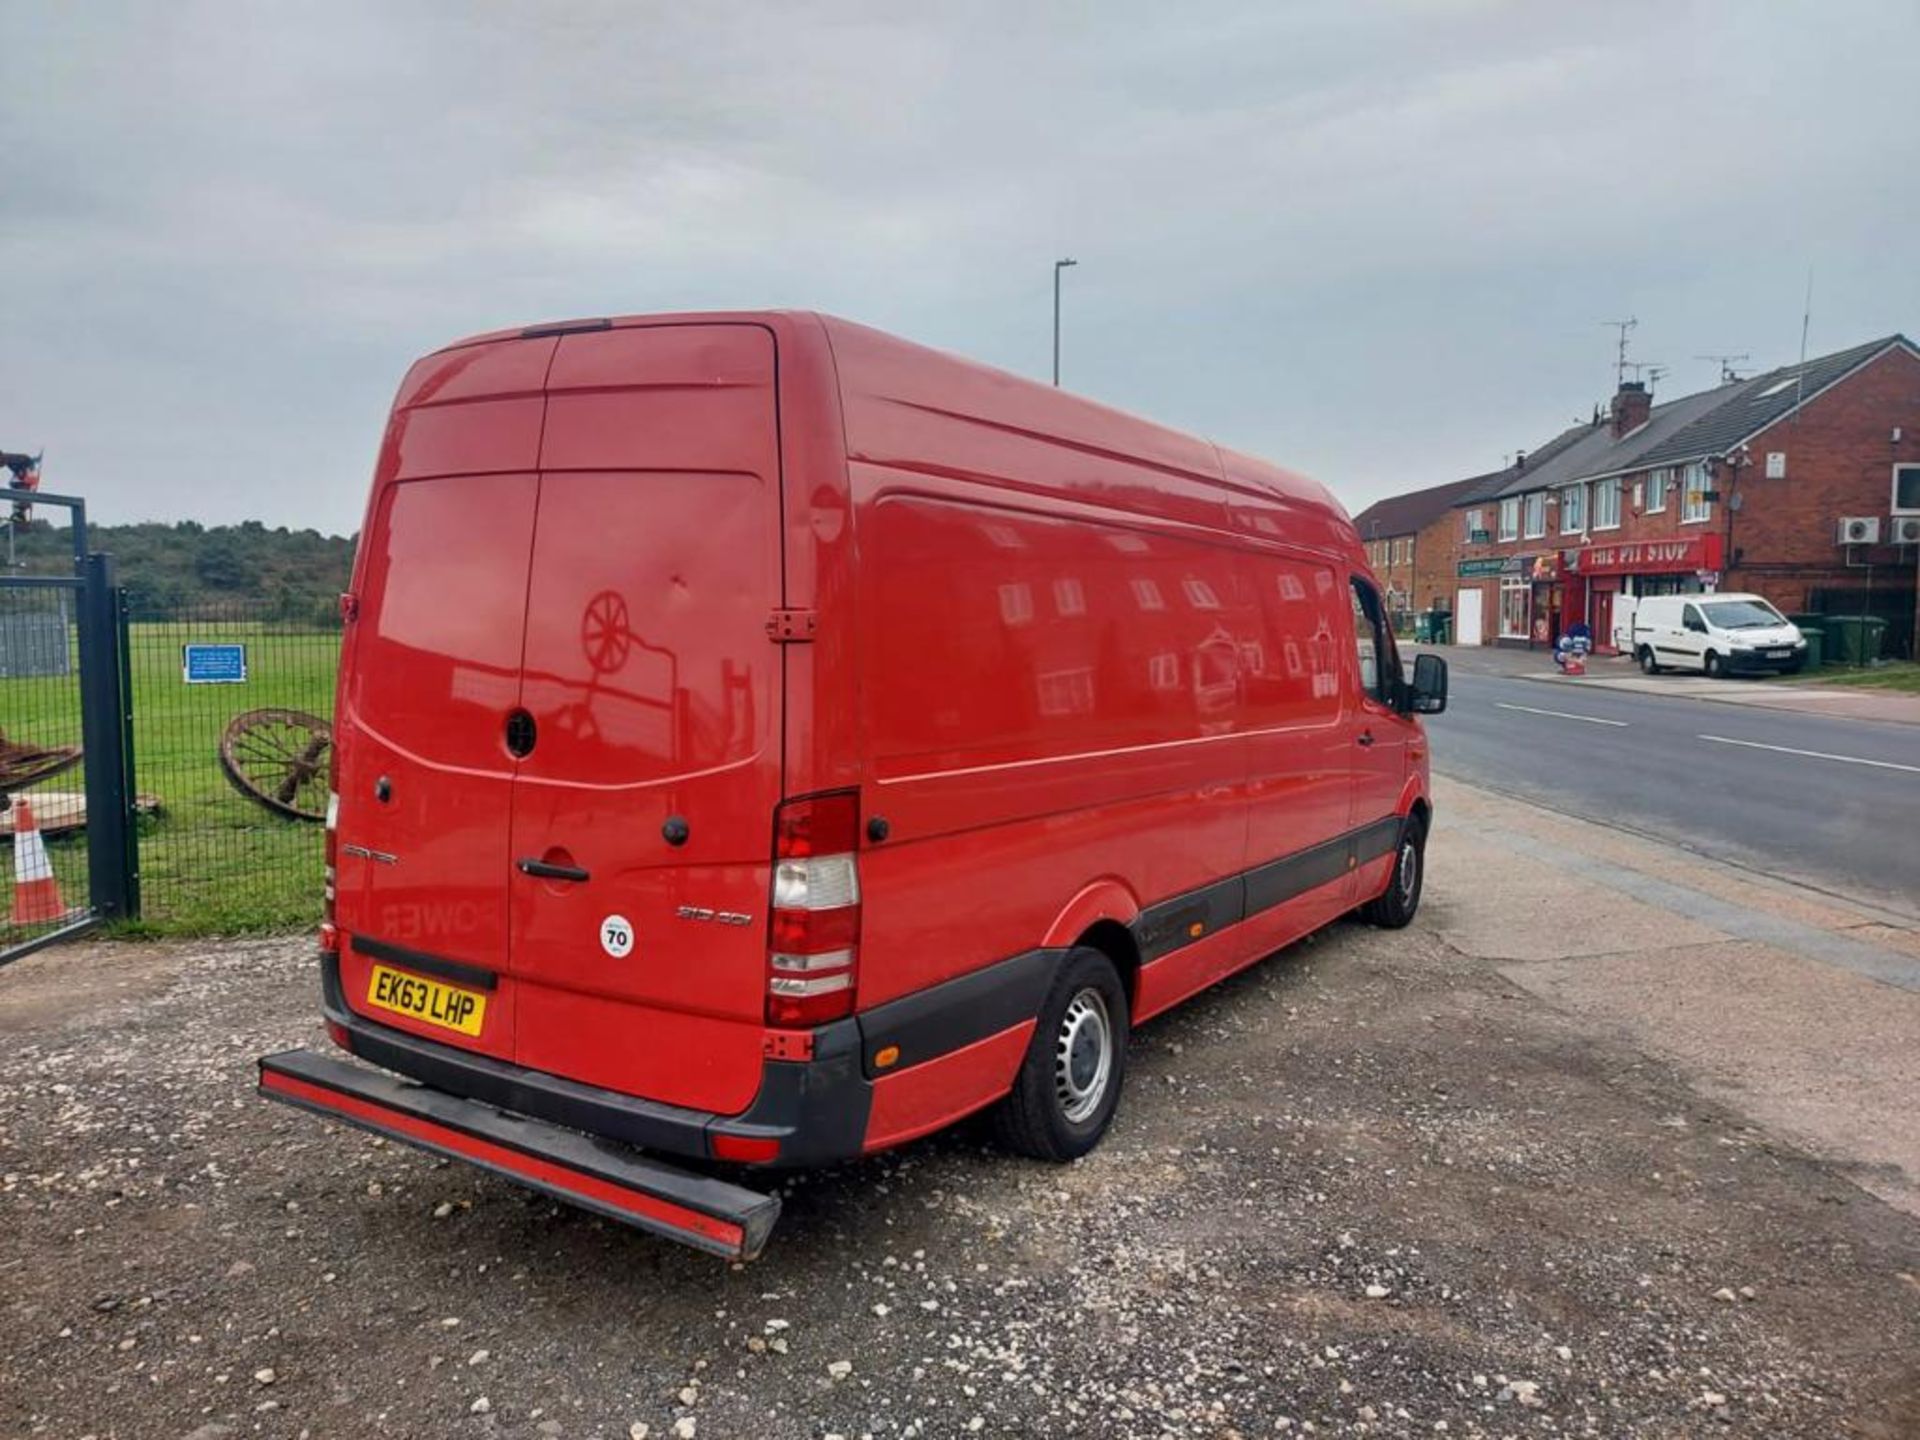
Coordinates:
(1610,579)
(1510,600)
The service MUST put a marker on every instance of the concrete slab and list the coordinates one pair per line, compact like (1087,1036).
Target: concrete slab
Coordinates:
(1496,904)
(1849,703)
(1801,1010)
(1816,1053)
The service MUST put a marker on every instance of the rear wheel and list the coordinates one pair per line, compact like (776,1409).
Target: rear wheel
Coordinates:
(1394,907)
(1069,1084)
(1648,664)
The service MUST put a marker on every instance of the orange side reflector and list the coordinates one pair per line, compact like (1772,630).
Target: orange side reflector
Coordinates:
(886,1056)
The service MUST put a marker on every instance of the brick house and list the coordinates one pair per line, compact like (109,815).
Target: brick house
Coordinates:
(1414,574)
(1742,487)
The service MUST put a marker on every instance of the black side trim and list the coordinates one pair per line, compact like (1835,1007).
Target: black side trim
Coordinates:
(565,327)
(1370,842)
(957,1012)
(1279,881)
(425,963)
(1165,927)
(1169,925)
(585,1155)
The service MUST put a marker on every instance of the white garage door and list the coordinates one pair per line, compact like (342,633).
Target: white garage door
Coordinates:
(1466,618)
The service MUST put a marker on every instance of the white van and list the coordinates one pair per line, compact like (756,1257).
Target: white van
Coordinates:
(1715,634)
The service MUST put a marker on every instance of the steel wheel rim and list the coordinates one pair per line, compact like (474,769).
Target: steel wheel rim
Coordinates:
(1409,870)
(1083,1056)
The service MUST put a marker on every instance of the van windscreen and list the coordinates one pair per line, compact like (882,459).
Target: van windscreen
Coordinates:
(1743,614)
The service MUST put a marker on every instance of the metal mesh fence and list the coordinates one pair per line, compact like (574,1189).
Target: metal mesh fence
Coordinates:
(45,882)
(231,712)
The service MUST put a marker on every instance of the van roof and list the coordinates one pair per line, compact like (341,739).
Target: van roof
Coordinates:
(1038,408)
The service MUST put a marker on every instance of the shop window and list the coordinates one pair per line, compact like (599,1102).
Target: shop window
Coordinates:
(1606,504)
(1573,509)
(1694,505)
(1510,518)
(1536,515)
(1516,600)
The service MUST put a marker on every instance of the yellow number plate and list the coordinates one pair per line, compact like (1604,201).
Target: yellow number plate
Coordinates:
(447,1006)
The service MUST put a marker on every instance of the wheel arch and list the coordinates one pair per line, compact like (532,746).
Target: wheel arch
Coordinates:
(1421,810)
(1117,943)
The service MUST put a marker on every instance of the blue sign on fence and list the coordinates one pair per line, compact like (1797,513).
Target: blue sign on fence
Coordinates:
(213,664)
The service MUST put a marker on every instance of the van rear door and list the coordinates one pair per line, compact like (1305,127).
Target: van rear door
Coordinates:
(642,813)
(430,671)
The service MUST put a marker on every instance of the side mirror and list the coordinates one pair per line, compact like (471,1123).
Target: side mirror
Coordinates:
(1427,695)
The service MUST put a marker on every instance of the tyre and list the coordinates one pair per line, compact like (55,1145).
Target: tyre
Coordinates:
(1069,1084)
(1394,908)
(1714,667)
(1648,665)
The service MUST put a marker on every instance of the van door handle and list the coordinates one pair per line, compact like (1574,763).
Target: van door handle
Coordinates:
(1366,737)
(545,871)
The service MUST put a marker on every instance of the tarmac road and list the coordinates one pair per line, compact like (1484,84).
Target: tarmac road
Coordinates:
(1812,798)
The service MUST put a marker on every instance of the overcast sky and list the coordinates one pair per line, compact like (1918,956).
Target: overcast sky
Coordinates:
(1373,242)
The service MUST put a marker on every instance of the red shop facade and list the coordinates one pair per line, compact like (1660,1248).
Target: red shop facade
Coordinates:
(1599,584)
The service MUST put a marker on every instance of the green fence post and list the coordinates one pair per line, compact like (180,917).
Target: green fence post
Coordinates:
(103,722)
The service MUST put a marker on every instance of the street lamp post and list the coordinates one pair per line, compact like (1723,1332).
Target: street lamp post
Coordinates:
(1058,266)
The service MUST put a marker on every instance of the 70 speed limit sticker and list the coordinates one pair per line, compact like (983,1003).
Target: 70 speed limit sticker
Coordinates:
(616,936)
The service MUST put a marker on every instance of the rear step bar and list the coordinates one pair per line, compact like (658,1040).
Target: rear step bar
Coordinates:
(596,1175)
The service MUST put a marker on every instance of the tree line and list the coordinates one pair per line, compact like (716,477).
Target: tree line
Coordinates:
(186,568)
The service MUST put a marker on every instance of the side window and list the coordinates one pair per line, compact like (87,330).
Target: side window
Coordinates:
(1372,642)
(1690,617)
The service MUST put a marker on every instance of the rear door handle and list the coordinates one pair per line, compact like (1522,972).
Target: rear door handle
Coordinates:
(1366,738)
(545,871)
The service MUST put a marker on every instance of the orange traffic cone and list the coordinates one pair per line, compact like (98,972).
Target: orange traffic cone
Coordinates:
(36,894)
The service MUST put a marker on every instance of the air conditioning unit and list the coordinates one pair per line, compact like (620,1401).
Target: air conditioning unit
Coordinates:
(1858,530)
(1906,529)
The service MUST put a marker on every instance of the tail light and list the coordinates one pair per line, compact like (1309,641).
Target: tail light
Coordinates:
(331,888)
(813,940)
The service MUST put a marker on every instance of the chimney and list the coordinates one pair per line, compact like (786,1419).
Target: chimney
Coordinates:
(1519,459)
(1631,407)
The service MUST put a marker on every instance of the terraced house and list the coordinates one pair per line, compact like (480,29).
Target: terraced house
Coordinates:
(1412,578)
(1802,484)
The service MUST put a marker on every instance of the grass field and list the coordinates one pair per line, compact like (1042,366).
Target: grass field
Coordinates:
(212,861)
(1902,675)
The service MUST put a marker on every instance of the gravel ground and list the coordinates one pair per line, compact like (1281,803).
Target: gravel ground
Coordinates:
(1367,1188)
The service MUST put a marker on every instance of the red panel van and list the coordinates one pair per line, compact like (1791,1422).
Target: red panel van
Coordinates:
(762,740)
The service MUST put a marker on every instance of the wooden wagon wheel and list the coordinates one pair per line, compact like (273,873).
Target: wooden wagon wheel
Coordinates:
(22,765)
(279,757)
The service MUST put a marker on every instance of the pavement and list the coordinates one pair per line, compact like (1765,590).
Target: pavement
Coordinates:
(1619,674)
(1615,1140)
(1822,800)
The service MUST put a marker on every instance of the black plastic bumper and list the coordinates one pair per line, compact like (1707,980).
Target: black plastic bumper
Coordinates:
(816,1110)
(1757,663)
